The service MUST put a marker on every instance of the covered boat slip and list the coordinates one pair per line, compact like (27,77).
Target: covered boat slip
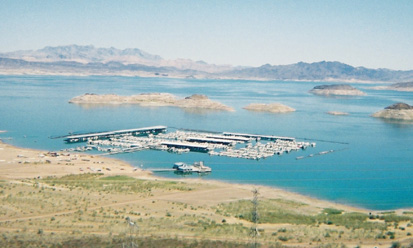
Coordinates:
(191,147)
(157,138)
(256,136)
(105,135)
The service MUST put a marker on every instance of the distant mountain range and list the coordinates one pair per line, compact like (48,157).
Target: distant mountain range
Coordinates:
(88,60)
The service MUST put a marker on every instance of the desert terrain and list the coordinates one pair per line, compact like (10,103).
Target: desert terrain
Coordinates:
(59,199)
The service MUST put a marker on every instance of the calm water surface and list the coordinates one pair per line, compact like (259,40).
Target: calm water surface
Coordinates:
(372,168)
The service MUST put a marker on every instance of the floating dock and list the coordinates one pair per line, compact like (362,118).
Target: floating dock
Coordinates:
(238,139)
(156,137)
(191,147)
(106,135)
(256,136)
(210,140)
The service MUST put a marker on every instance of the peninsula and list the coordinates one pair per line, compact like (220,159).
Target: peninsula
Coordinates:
(271,107)
(336,90)
(152,99)
(397,111)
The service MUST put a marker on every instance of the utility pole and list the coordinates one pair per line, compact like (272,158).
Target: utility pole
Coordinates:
(133,227)
(254,229)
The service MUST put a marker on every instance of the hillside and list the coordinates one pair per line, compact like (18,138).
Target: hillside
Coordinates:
(89,60)
(320,71)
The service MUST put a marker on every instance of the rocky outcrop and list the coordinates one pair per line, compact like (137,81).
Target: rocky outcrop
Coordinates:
(152,99)
(408,86)
(272,108)
(399,106)
(397,111)
(336,90)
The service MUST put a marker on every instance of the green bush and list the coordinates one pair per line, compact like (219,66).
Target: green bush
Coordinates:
(331,211)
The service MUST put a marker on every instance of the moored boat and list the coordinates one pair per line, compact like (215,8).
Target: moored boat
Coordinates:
(197,167)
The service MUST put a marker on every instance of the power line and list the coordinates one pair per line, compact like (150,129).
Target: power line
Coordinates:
(254,229)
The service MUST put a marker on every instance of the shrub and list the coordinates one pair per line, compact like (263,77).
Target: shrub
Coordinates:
(283,238)
(331,211)
(395,245)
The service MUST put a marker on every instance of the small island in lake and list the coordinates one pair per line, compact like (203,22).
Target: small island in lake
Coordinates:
(152,99)
(336,113)
(397,111)
(271,107)
(408,86)
(336,90)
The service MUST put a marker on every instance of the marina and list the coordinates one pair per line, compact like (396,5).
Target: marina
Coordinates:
(366,154)
(236,145)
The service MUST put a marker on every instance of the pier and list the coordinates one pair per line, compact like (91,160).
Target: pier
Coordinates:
(237,145)
(262,137)
(239,139)
(191,147)
(106,135)
(210,140)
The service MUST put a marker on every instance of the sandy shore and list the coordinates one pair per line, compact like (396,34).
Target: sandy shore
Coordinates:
(181,205)
(20,163)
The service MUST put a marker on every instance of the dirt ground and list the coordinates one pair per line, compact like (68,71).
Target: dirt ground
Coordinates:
(183,206)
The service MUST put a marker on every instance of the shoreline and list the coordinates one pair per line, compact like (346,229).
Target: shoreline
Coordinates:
(69,202)
(18,163)
(147,75)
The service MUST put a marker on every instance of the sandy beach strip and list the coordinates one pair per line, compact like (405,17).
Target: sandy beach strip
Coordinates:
(20,163)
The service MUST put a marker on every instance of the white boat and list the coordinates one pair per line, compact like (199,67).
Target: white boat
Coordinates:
(201,168)
(198,167)
(185,168)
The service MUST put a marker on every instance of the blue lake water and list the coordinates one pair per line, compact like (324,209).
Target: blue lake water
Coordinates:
(372,167)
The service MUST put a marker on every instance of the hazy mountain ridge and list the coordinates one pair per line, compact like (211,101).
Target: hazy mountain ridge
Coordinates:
(90,54)
(321,71)
(19,66)
(88,60)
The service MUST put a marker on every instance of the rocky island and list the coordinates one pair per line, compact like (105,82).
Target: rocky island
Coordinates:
(271,107)
(397,111)
(337,113)
(408,86)
(152,99)
(336,90)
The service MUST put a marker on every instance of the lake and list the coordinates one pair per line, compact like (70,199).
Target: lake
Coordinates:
(371,168)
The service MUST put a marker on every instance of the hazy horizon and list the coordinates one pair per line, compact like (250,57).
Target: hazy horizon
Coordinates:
(372,34)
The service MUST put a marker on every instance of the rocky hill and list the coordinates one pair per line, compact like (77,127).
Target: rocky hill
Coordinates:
(337,90)
(397,111)
(90,55)
(320,71)
(89,60)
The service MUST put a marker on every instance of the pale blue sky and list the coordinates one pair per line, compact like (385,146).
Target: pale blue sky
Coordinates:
(374,34)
